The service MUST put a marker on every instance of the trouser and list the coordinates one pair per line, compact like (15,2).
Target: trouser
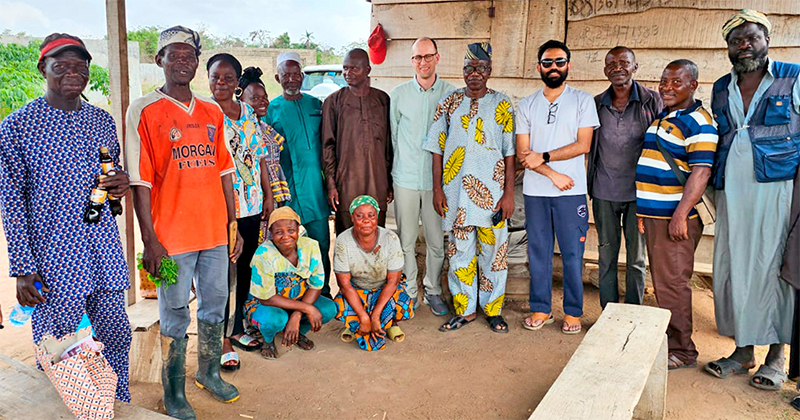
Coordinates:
(249,228)
(478,268)
(568,218)
(607,216)
(672,266)
(209,268)
(271,320)
(342,220)
(319,230)
(409,205)
(62,311)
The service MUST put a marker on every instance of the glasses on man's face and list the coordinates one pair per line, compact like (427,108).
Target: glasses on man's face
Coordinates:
(548,62)
(473,69)
(427,57)
(551,113)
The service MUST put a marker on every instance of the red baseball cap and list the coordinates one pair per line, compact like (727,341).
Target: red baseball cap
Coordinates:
(377,45)
(55,43)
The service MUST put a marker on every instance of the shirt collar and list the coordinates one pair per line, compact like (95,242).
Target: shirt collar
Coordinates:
(770,63)
(605,100)
(435,84)
(693,107)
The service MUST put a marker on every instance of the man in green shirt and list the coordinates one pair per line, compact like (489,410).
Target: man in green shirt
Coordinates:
(298,118)
(411,110)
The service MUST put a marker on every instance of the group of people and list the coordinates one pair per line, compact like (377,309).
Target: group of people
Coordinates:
(238,184)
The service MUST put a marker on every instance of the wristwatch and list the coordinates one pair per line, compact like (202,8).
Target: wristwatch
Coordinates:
(546,157)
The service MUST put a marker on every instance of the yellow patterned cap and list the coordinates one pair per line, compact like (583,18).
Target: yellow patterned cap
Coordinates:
(744,16)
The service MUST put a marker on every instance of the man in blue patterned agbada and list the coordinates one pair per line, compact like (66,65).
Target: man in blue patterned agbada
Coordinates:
(49,162)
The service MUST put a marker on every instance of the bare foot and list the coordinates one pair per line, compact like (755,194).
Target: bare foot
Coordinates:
(227,348)
(572,325)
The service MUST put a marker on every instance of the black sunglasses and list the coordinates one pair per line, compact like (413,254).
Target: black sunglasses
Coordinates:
(479,69)
(548,62)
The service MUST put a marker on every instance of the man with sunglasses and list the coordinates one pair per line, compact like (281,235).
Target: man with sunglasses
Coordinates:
(554,131)
(410,113)
(625,111)
(472,143)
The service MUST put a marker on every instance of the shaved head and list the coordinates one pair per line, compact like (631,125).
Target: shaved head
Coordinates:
(358,55)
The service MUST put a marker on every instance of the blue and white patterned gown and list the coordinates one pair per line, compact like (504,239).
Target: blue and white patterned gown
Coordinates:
(49,159)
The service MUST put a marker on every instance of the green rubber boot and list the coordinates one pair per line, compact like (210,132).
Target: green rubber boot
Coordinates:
(173,378)
(209,350)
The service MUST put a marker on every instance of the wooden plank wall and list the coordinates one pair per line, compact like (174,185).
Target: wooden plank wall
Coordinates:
(658,30)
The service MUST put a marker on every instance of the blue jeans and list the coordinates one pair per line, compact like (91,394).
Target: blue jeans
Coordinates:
(568,218)
(209,269)
(271,320)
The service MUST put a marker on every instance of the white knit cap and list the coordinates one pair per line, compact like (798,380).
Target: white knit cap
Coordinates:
(289,56)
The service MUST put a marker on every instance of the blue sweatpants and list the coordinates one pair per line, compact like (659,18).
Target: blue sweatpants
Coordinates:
(271,320)
(568,218)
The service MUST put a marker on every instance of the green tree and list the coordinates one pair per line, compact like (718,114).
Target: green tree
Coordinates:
(307,40)
(282,41)
(147,37)
(21,82)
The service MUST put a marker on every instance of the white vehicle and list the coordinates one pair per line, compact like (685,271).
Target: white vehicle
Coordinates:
(320,81)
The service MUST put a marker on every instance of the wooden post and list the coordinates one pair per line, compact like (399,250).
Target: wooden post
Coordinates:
(120,99)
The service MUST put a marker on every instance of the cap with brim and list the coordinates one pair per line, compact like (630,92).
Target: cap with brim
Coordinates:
(288,56)
(282,213)
(59,45)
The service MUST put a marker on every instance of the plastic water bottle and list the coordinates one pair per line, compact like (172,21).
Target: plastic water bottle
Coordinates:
(20,315)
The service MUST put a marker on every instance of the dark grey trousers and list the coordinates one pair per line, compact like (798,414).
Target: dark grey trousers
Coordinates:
(612,219)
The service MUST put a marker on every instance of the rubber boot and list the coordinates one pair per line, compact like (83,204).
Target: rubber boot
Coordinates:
(209,350)
(173,378)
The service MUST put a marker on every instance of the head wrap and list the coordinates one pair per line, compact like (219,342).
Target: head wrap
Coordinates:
(237,66)
(364,199)
(250,75)
(179,35)
(744,16)
(289,56)
(479,51)
(282,213)
(55,43)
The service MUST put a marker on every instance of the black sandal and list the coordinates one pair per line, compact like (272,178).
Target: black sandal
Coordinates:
(454,323)
(306,341)
(269,346)
(497,321)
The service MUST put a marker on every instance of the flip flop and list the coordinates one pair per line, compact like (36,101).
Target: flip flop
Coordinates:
(269,346)
(396,334)
(454,323)
(674,363)
(565,328)
(724,367)
(497,321)
(227,357)
(347,336)
(765,372)
(306,341)
(245,343)
(541,323)
(796,403)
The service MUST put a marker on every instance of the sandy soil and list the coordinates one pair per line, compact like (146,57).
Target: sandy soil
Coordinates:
(468,374)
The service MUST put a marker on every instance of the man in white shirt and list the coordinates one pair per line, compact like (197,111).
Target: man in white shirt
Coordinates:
(554,132)
(411,110)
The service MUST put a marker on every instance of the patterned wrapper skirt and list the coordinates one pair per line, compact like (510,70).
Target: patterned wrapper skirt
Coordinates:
(399,307)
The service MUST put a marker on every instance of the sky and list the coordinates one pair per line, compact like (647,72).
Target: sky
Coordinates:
(332,22)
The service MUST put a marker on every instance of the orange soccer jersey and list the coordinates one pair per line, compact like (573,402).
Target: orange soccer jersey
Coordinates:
(179,152)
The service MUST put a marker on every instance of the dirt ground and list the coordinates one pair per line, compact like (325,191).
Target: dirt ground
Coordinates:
(467,374)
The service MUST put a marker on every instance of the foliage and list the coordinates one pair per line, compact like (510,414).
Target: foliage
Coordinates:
(99,80)
(282,41)
(168,272)
(21,82)
(147,37)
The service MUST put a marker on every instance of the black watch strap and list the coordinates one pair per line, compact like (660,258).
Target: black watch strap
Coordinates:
(546,157)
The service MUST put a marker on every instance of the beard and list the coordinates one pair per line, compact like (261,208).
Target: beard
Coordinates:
(747,65)
(554,83)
